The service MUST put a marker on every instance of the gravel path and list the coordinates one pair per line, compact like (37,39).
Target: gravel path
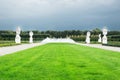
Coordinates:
(101,47)
(12,49)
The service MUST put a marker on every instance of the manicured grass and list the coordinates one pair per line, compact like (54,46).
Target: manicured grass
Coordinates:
(61,62)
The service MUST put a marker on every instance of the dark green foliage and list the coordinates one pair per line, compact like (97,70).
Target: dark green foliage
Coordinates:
(77,35)
(114,38)
(114,33)
(96,31)
(80,38)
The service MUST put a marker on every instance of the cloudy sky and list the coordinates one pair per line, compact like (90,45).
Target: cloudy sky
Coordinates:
(59,14)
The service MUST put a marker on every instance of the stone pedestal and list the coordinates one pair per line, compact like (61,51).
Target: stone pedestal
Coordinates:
(104,40)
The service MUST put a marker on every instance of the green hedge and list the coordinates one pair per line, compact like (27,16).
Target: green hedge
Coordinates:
(114,38)
(25,37)
(83,37)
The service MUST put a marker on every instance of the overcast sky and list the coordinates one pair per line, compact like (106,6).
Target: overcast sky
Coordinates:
(59,14)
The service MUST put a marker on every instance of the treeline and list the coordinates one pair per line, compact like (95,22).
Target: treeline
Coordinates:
(77,35)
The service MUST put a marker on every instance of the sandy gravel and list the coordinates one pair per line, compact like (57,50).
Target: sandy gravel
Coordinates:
(12,49)
(102,47)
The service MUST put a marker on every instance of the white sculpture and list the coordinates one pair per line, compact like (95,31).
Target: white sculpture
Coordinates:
(18,38)
(88,38)
(31,37)
(99,40)
(104,39)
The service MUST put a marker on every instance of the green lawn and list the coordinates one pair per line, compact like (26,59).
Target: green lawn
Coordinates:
(61,62)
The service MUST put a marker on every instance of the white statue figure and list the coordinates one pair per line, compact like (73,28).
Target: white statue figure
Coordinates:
(99,40)
(104,39)
(18,38)
(88,38)
(31,37)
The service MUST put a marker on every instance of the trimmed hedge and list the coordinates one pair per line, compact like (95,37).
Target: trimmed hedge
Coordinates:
(25,37)
(83,37)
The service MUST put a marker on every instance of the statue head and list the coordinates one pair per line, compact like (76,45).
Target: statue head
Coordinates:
(31,33)
(105,31)
(88,33)
(18,30)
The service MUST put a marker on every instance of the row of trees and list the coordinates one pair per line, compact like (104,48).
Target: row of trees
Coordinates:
(77,35)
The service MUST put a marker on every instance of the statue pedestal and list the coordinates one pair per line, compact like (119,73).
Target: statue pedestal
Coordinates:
(30,40)
(104,40)
(88,40)
(17,39)
(99,40)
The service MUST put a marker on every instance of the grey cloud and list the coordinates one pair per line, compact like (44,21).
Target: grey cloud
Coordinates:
(59,12)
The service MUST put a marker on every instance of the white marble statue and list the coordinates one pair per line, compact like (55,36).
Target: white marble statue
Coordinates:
(88,38)
(99,40)
(104,39)
(31,37)
(18,38)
